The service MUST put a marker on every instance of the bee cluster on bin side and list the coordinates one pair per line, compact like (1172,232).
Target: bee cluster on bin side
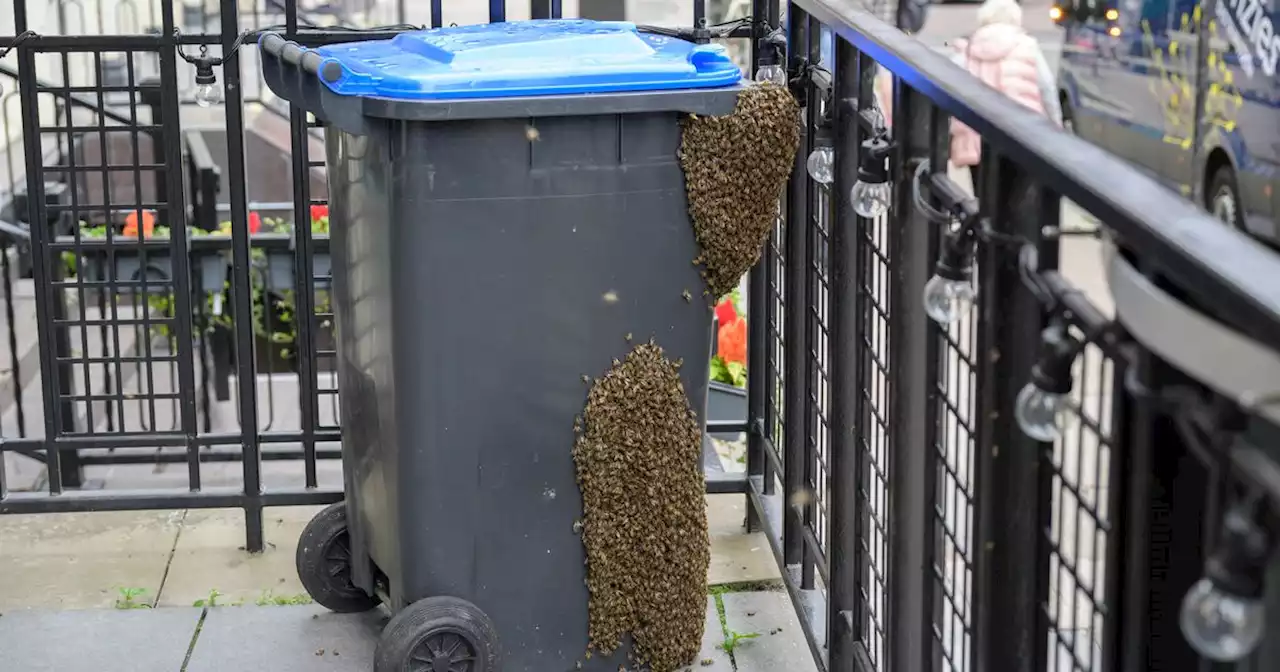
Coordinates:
(735,168)
(638,451)
(638,455)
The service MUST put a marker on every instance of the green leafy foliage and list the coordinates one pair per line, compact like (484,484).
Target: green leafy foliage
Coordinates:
(274,315)
(729,373)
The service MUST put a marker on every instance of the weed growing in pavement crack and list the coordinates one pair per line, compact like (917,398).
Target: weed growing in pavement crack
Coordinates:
(732,638)
(128,598)
(267,599)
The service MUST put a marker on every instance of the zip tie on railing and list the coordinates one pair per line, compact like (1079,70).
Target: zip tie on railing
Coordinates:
(17,40)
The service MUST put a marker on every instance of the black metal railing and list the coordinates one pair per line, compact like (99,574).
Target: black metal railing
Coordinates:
(889,460)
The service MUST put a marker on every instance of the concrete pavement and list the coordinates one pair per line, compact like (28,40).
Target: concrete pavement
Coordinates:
(307,638)
(172,591)
(173,558)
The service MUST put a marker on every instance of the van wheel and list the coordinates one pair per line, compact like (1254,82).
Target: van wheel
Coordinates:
(1223,198)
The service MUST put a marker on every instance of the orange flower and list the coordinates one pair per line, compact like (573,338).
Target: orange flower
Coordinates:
(148,223)
(731,343)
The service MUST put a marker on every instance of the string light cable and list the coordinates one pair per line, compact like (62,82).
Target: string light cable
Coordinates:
(18,40)
(14,43)
(717,31)
(208,92)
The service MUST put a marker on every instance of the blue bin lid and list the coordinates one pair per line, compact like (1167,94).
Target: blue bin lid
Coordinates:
(524,58)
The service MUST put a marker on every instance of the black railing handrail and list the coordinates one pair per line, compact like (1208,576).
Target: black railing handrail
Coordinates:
(1214,264)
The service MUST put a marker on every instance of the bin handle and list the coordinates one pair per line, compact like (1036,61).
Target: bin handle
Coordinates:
(304,77)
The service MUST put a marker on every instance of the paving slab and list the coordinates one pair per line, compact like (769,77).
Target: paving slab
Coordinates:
(736,557)
(286,639)
(84,560)
(311,639)
(100,640)
(210,556)
(713,657)
(780,644)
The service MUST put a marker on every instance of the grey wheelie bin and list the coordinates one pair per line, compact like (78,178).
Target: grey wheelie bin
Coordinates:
(506,204)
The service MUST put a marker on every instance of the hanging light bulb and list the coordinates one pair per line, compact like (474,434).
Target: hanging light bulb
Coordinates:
(949,294)
(946,300)
(871,194)
(773,73)
(822,165)
(1038,408)
(208,93)
(772,49)
(1223,616)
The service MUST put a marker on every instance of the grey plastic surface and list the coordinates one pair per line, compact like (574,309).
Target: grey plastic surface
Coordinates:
(713,102)
(279,272)
(1225,360)
(128,268)
(478,274)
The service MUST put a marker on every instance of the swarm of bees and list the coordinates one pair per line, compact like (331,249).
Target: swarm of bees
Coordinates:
(638,455)
(735,168)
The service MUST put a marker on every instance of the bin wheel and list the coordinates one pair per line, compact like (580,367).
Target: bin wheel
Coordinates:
(324,563)
(438,634)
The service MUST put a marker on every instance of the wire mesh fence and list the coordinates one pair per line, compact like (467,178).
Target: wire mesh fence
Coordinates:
(166,298)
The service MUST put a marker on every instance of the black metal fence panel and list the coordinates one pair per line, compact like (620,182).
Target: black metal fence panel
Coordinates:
(1029,478)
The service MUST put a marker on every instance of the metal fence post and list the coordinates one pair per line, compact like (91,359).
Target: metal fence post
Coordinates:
(1165,519)
(538,9)
(1013,481)
(846,385)
(757,327)
(909,626)
(69,466)
(796,318)
(241,296)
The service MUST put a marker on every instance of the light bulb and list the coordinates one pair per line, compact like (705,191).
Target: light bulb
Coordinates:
(946,300)
(772,73)
(1038,413)
(870,199)
(208,94)
(822,165)
(1221,626)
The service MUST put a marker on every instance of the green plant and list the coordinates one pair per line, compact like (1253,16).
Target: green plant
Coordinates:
(128,598)
(273,314)
(210,601)
(732,639)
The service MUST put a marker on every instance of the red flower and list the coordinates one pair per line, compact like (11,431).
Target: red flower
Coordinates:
(255,222)
(319,212)
(725,312)
(731,342)
(131,223)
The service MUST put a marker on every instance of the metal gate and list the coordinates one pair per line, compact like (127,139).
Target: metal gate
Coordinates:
(165,295)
